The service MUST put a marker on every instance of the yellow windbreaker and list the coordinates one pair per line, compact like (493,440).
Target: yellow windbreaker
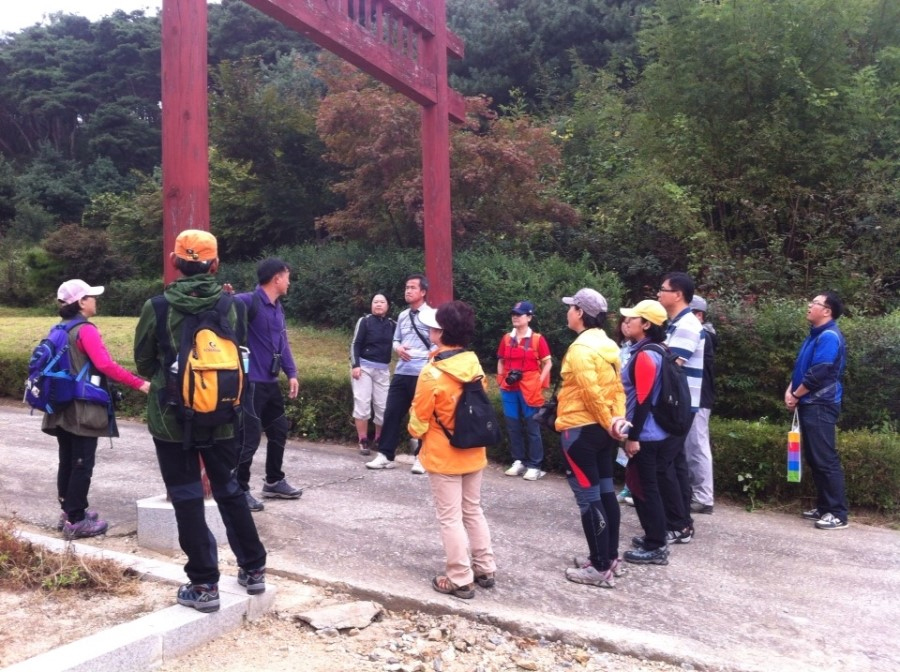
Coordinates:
(591,390)
(437,393)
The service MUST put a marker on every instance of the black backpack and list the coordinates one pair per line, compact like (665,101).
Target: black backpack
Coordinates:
(672,410)
(476,421)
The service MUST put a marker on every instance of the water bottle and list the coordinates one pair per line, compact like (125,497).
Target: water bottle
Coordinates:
(245,359)
(172,384)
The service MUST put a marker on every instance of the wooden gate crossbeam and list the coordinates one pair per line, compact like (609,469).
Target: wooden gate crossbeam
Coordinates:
(382,38)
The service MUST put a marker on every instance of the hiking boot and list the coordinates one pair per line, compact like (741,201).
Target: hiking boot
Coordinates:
(381,462)
(364,447)
(591,576)
(417,467)
(253,580)
(201,596)
(680,536)
(812,514)
(63,517)
(517,469)
(830,522)
(624,493)
(615,565)
(641,556)
(253,503)
(84,528)
(697,507)
(282,489)
(534,474)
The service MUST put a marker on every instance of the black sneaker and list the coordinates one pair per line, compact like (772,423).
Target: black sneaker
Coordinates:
(697,507)
(201,596)
(641,556)
(253,580)
(253,503)
(680,536)
(281,489)
(812,514)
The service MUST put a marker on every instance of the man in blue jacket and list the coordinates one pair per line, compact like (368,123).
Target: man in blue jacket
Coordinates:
(815,392)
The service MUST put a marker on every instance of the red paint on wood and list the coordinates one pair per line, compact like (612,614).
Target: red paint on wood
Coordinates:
(185,145)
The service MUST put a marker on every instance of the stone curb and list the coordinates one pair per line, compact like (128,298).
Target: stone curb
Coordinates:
(149,641)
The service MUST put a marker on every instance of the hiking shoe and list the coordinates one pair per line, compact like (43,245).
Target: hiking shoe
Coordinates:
(697,507)
(63,517)
(830,522)
(639,542)
(623,494)
(517,469)
(534,474)
(615,565)
(201,596)
(641,556)
(84,528)
(381,462)
(680,536)
(628,499)
(281,489)
(812,514)
(591,576)
(253,503)
(364,447)
(417,467)
(253,580)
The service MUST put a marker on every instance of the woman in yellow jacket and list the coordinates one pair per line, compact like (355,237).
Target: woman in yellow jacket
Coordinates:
(453,473)
(591,401)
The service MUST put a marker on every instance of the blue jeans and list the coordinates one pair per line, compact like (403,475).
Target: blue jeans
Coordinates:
(517,414)
(818,439)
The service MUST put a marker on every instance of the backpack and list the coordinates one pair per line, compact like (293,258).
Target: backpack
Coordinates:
(672,410)
(204,376)
(476,424)
(51,385)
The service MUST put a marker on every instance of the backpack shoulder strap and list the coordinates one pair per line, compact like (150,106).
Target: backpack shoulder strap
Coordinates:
(161,310)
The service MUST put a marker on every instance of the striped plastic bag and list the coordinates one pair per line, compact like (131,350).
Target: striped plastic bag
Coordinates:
(794,467)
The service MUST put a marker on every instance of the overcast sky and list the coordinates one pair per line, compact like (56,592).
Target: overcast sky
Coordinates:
(18,14)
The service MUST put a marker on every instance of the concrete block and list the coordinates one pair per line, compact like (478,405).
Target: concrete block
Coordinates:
(156,526)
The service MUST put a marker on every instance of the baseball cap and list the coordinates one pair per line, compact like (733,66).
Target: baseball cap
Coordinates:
(698,303)
(523,308)
(75,290)
(428,317)
(196,245)
(650,310)
(589,300)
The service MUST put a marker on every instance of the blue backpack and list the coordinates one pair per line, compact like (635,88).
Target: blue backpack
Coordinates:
(51,385)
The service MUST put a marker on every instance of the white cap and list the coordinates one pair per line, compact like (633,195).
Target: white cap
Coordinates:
(75,290)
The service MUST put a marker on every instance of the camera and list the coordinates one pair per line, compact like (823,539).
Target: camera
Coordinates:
(514,376)
(275,366)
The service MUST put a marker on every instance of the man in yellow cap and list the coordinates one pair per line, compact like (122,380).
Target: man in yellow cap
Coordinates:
(156,345)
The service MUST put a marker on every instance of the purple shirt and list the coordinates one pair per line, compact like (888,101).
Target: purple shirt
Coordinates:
(266,335)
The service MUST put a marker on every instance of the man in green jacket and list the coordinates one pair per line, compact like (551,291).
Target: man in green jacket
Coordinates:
(196,258)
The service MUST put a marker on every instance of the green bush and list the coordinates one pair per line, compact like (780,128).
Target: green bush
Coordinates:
(125,297)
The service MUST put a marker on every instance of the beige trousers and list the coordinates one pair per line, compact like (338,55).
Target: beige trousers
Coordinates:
(464,530)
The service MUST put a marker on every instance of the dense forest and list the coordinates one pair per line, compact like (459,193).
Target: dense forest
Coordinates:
(753,144)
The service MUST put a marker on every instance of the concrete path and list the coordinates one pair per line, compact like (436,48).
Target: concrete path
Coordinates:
(754,591)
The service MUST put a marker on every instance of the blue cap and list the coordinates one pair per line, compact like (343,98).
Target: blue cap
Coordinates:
(523,308)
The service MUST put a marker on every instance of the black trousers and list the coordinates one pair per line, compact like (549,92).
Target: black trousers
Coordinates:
(399,399)
(77,455)
(181,473)
(263,413)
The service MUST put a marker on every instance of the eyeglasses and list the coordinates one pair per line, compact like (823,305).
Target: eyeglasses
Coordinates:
(818,303)
(666,289)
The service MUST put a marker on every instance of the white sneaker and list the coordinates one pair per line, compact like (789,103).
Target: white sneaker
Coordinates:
(517,469)
(417,467)
(533,474)
(381,462)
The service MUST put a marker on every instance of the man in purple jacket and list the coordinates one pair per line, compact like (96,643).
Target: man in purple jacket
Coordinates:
(270,354)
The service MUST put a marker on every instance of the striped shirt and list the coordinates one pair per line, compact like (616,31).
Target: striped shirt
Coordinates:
(684,338)
(408,323)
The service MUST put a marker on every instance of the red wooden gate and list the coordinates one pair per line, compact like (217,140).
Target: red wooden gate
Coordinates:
(403,43)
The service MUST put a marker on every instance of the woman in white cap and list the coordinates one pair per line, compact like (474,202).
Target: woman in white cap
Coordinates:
(78,425)
(590,398)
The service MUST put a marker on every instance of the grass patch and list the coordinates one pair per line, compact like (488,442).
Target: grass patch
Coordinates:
(26,565)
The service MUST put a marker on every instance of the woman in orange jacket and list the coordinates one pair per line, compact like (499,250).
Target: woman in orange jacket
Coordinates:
(453,473)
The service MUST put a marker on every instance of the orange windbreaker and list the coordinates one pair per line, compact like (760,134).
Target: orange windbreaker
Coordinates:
(437,393)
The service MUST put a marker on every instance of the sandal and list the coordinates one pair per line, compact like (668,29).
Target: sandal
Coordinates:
(444,585)
(485,580)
